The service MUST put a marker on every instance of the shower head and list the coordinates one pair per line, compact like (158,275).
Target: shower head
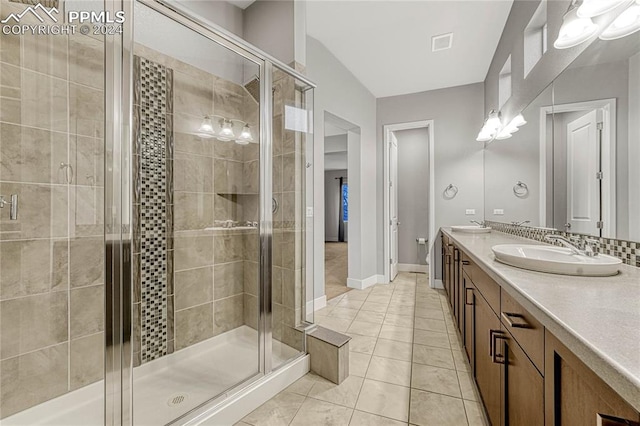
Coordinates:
(253,88)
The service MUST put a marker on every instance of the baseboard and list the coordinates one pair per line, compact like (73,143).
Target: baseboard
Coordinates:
(317,303)
(438,284)
(367,282)
(247,400)
(411,267)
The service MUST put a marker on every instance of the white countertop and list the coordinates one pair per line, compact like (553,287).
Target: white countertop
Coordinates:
(597,318)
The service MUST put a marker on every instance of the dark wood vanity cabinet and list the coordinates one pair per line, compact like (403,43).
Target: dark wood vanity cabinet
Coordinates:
(526,377)
(576,396)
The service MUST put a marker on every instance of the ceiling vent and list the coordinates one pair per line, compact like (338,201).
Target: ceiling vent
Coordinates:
(441,42)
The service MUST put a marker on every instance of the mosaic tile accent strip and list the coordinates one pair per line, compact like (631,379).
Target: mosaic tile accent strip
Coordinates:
(153,206)
(627,251)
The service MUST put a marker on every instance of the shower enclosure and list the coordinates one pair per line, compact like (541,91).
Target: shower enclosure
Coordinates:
(158,264)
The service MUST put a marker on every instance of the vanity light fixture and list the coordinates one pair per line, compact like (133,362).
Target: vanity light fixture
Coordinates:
(226,131)
(574,29)
(206,129)
(245,136)
(490,127)
(626,24)
(591,8)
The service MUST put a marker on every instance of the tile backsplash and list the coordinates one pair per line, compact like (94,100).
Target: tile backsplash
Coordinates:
(627,251)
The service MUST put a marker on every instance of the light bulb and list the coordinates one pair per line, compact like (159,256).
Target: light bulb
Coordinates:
(484,136)
(626,24)
(518,121)
(504,134)
(591,8)
(206,129)
(245,136)
(493,122)
(574,30)
(226,132)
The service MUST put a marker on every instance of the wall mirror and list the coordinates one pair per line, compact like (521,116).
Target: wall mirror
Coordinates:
(574,165)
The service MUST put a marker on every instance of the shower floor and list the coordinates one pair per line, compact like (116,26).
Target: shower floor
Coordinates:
(189,377)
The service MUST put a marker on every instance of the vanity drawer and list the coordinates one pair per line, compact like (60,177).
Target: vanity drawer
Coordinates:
(526,330)
(489,289)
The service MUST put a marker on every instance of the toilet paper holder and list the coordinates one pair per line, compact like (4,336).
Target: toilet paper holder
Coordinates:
(422,241)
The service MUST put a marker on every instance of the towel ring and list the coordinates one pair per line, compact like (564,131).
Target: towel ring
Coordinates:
(520,189)
(450,191)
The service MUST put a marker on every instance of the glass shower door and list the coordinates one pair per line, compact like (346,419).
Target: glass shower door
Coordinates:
(196,215)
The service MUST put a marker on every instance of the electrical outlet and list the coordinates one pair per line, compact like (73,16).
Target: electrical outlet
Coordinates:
(498,212)
(470,212)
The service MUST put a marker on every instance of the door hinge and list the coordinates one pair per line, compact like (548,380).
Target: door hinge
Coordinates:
(599,175)
(600,224)
(600,126)
(390,261)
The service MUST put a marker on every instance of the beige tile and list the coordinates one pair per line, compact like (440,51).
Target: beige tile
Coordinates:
(358,363)
(384,399)
(356,295)
(400,334)
(86,111)
(192,173)
(192,251)
(430,325)
(33,378)
(345,313)
(228,248)
(429,409)
(362,344)
(193,325)
(32,267)
(393,349)
(87,310)
(475,413)
(229,279)
(345,394)
(303,385)
(399,320)
(86,360)
(193,94)
(432,338)
(364,328)
(400,309)
(467,386)
(390,371)
(319,413)
(375,307)
(192,210)
(86,61)
(370,316)
(228,314)
(360,418)
(86,261)
(435,379)
(279,410)
(429,313)
(227,98)
(382,299)
(335,324)
(193,287)
(33,322)
(429,355)
(460,360)
(351,304)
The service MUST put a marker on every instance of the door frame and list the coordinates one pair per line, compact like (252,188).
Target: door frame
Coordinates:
(607,158)
(387,129)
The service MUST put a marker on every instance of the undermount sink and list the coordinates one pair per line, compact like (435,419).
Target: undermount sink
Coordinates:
(471,229)
(556,260)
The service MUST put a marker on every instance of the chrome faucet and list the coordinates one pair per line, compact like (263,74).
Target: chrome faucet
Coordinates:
(481,224)
(583,247)
(524,222)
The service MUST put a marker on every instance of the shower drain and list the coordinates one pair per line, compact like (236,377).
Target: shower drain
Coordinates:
(177,399)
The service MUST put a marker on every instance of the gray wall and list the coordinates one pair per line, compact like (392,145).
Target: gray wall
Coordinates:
(269,25)
(220,13)
(342,95)
(332,200)
(413,194)
(458,158)
(634,147)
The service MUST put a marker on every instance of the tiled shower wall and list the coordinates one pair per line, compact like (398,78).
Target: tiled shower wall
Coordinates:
(215,270)
(51,258)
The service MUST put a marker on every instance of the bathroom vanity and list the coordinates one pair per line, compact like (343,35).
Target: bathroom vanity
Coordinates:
(545,349)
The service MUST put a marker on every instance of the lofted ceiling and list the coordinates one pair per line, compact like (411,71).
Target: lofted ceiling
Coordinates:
(387,44)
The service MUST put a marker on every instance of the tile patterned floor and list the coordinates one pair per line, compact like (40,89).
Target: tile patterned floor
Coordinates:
(406,365)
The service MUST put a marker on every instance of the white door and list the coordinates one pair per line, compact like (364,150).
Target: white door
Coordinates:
(393,205)
(583,183)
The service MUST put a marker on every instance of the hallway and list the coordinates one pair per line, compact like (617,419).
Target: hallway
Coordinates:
(335,269)
(406,365)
